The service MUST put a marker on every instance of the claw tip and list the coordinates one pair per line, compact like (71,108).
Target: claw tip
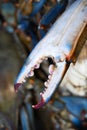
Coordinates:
(16,86)
(40,104)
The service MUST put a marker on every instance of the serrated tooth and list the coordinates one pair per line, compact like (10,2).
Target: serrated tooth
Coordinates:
(46,84)
(46,58)
(31,73)
(37,66)
(49,76)
(48,81)
(51,69)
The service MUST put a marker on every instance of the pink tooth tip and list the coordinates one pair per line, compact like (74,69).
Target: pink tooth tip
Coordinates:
(40,104)
(16,86)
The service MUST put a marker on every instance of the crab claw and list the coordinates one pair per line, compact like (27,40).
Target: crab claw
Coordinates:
(62,44)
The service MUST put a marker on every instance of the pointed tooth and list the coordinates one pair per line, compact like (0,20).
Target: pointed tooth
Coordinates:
(31,73)
(49,76)
(41,93)
(48,81)
(46,58)
(37,66)
(51,69)
(46,84)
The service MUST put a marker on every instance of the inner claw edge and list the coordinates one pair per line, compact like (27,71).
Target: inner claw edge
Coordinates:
(40,104)
(46,84)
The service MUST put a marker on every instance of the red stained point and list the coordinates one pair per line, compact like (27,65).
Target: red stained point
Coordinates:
(16,86)
(40,104)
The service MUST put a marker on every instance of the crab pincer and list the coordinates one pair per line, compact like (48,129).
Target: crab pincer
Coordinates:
(62,44)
